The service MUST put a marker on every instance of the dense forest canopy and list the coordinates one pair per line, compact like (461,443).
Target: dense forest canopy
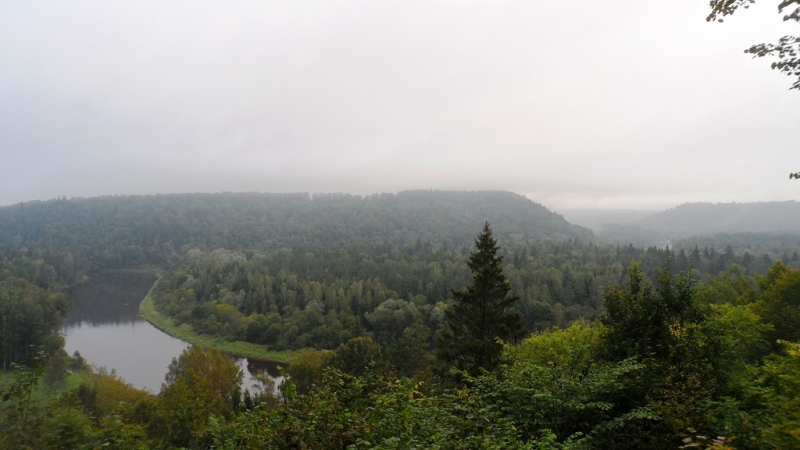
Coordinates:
(124,231)
(627,347)
(292,271)
(669,363)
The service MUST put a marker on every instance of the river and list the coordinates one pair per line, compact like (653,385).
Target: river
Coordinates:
(103,324)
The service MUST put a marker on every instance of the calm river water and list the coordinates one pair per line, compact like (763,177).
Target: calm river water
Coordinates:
(103,324)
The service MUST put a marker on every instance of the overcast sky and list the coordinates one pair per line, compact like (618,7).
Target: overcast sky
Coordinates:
(576,104)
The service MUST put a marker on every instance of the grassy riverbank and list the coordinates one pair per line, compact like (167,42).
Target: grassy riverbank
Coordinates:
(41,392)
(185,333)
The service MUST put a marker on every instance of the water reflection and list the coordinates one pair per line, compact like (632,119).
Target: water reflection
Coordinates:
(138,351)
(103,324)
(253,369)
(109,298)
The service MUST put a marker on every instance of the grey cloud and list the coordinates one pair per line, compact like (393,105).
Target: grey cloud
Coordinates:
(621,104)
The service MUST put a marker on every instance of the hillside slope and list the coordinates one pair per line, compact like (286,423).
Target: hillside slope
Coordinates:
(130,231)
(701,218)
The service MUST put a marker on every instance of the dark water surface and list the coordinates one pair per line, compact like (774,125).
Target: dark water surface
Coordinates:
(103,324)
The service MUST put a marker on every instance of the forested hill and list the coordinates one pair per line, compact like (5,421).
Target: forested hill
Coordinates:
(699,218)
(368,295)
(130,231)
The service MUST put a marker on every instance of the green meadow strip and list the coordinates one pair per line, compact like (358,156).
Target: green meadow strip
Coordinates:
(41,392)
(184,332)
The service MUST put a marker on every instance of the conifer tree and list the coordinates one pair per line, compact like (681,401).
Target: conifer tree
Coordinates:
(480,318)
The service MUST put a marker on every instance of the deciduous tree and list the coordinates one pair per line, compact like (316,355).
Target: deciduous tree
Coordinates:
(200,383)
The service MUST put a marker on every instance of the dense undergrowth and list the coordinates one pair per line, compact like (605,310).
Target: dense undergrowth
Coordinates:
(666,365)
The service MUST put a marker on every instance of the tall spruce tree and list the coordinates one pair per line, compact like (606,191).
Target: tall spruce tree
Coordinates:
(480,316)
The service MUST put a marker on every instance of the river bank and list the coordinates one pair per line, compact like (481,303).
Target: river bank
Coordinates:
(147,311)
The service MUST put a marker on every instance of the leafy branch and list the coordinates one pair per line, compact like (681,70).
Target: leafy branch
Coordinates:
(786,49)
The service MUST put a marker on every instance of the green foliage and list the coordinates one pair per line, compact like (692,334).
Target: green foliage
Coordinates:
(644,321)
(199,384)
(739,333)
(355,356)
(290,272)
(764,413)
(108,397)
(732,287)
(297,299)
(306,368)
(666,365)
(480,319)
(288,388)
(552,381)
(183,411)
(787,47)
(98,414)
(322,296)
(701,377)
(780,379)
(685,348)
(779,303)
(409,354)
(370,412)
(30,319)
(216,369)
(185,333)
(55,373)
(753,253)
(113,232)
(19,412)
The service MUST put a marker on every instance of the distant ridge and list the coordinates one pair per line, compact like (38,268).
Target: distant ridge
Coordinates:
(661,228)
(703,218)
(263,221)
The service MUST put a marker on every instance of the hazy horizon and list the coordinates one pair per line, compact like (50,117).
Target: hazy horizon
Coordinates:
(623,212)
(619,105)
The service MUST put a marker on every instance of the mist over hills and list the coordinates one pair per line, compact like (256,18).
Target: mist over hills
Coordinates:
(597,219)
(267,221)
(703,218)
(155,225)
(689,219)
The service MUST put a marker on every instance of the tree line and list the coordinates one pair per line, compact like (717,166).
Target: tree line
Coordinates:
(670,362)
(79,235)
(320,297)
(681,344)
